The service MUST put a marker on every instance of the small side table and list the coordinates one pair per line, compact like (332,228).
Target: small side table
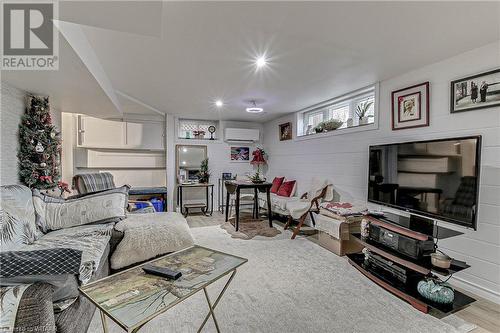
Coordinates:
(235,186)
(203,206)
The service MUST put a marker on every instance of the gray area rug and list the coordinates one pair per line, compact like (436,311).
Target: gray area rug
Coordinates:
(293,286)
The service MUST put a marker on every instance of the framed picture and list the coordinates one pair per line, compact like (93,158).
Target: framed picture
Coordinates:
(240,154)
(286,131)
(227,175)
(410,107)
(475,92)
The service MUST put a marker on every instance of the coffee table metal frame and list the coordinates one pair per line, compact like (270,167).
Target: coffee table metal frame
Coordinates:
(211,306)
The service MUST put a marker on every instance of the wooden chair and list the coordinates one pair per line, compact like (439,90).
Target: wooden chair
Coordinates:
(306,206)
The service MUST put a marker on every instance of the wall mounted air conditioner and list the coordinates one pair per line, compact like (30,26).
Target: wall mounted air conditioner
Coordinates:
(241,135)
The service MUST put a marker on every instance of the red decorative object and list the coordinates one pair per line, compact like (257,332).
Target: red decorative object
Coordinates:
(258,157)
(277,181)
(47,179)
(64,187)
(286,188)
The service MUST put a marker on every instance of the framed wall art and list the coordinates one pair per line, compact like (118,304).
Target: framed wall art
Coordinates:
(285,131)
(240,154)
(410,107)
(475,92)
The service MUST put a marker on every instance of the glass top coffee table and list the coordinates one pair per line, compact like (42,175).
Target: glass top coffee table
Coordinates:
(132,298)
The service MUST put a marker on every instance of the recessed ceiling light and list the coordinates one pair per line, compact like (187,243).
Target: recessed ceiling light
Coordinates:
(261,61)
(184,150)
(219,103)
(183,162)
(254,108)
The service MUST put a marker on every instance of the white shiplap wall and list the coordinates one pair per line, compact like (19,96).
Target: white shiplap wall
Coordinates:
(344,158)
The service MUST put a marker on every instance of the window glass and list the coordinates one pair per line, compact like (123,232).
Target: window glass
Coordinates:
(352,110)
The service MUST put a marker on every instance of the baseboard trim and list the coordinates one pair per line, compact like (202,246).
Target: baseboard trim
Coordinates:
(476,289)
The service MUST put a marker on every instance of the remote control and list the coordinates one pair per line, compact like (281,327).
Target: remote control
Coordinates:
(162,271)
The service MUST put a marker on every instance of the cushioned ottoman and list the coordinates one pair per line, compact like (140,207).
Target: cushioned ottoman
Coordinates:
(149,235)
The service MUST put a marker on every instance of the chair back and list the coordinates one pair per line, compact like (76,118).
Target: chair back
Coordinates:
(93,182)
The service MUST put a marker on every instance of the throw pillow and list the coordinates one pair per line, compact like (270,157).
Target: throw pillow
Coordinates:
(39,262)
(101,207)
(277,181)
(149,235)
(286,188)
(17,218)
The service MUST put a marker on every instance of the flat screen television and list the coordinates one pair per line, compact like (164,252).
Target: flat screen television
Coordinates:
(437,178)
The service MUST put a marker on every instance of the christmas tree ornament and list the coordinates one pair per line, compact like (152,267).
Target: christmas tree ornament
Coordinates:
(39,148)
(52,134)
(43,165)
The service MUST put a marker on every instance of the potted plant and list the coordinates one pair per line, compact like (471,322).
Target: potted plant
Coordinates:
(332,124)
(204,174)
(319,128)
(362,110)
(258,160)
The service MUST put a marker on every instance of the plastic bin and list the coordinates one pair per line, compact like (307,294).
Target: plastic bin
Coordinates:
(158,204)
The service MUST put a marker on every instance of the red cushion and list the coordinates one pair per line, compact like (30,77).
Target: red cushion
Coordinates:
(277,181)
(286,188)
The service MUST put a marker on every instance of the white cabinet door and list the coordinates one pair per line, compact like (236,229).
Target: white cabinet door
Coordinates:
(145,135)
(100,133)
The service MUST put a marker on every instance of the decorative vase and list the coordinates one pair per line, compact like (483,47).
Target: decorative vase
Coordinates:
(363,120)
(350,122)
(436,291)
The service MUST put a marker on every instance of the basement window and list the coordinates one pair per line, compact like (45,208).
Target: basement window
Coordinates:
(196,129)
(354,110)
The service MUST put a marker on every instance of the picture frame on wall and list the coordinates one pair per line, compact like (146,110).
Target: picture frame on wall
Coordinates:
(285,131)
(240,154)
(475,92)
(410,107)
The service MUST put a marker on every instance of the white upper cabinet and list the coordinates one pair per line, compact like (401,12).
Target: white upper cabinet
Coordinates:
(145,135)
(114,134)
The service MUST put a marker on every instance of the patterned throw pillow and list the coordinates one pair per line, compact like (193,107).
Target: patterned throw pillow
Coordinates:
(101,207)
(286,188)
(277,181)
(40,262)
(17,218)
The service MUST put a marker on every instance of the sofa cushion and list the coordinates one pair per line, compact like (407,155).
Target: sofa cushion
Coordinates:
(17,218)
(149,235)
(101,207)
(50,261)
(277,181)
(286,188)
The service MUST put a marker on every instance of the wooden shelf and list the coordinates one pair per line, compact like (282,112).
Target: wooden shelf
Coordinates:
(408,291)
(422,266)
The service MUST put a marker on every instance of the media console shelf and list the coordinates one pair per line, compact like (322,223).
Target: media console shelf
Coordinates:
(418,269)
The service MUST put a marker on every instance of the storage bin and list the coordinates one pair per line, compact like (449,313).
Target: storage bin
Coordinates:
(158,204)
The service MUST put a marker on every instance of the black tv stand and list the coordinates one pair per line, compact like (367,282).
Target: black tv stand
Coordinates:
(420,269)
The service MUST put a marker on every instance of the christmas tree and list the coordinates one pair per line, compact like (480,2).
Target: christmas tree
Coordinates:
(39,146)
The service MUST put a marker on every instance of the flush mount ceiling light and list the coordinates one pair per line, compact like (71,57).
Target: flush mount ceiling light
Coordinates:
(254,108)
(219,103)
(261,61)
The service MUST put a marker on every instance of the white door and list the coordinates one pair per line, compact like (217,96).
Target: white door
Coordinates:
(100,133)
(145,135)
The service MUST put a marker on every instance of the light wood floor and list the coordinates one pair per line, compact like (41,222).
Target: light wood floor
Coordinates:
(483,313)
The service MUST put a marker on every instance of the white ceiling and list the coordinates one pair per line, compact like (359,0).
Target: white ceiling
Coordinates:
(178,57)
